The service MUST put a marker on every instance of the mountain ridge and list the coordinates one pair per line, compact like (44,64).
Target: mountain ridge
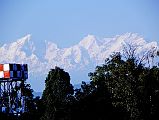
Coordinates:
(80,58)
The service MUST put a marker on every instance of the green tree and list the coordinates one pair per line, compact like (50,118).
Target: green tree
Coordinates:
(31,106)
(132,86)
(56,94)
(28,94)
(93,102)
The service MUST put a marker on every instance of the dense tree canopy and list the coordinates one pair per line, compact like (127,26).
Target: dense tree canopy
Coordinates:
(56,93)
(131,85)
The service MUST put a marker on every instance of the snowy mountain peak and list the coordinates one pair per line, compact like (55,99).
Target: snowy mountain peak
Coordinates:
(87,41)
(25,38)
(13,52)
(130,38)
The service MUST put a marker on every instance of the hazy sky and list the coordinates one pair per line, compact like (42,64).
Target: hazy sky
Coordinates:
(66,22)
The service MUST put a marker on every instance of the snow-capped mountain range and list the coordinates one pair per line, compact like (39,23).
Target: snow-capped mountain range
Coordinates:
(78,60)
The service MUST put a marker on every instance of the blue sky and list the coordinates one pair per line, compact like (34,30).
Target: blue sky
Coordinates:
(66,22)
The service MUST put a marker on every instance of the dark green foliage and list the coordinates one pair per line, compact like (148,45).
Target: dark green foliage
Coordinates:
(56,94)
(34,106)
(28,93)
(94,102)
(36,111)
(132,86)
